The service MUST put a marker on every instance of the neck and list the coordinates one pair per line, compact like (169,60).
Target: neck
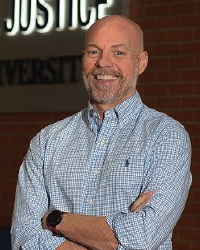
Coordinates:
(102,108)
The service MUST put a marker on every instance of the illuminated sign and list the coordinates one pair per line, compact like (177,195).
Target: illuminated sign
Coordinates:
(41,48)
(28,16)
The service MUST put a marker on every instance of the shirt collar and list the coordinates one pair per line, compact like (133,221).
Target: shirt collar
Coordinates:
(129,108)
(123,112)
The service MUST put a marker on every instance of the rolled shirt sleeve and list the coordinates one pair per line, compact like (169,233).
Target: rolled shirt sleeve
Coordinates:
(169,178)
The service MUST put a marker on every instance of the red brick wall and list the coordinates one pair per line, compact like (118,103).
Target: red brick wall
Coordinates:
(172,84)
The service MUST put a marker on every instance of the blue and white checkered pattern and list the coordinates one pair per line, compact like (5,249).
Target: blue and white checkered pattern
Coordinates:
(82,165)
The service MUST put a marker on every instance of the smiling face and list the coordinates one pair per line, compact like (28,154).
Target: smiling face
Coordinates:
(111,60)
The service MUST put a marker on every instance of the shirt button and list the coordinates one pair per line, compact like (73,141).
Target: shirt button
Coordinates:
(102,142)
(95,171)
(90,202)
(121,125)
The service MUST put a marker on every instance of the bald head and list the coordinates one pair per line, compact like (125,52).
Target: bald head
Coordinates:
(127,27)
(112,60)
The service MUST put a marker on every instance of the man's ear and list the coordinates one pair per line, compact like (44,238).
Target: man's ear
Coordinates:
(143,57)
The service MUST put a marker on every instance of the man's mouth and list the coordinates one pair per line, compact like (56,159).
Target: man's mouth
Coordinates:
(105,77)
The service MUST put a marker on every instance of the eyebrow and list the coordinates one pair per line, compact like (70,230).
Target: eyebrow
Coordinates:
(115,46)
(93,45)
(120,45)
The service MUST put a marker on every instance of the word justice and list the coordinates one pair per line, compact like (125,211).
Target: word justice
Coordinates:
(43,16)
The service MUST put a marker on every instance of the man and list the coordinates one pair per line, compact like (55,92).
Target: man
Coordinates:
(89,169)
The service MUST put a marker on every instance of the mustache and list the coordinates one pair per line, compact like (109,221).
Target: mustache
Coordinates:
(105,71)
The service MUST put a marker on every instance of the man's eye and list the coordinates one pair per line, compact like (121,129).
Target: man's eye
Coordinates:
(93,53)
(119,53)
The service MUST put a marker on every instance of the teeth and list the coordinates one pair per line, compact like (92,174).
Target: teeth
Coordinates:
(106,77)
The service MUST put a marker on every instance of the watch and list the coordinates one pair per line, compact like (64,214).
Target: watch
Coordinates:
(52,220)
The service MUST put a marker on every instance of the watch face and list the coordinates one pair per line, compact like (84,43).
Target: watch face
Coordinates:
(54,218)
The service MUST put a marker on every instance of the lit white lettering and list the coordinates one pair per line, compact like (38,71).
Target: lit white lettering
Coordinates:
(28,16)
(102,8)
(46,20)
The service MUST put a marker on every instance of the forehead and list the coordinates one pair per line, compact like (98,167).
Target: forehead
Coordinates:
(109,34)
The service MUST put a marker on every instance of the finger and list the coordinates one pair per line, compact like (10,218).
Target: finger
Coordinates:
(140,206)
(141,201)
(142,198)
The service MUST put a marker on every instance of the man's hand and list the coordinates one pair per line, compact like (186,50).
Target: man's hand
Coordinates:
(141,201)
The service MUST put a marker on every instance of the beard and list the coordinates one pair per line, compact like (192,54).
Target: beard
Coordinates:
(111,92)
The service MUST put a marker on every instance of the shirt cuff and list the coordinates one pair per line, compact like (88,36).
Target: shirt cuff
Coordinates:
(111,218)
(48,242)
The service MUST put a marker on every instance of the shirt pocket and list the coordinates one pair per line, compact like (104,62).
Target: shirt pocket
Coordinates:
(125,175)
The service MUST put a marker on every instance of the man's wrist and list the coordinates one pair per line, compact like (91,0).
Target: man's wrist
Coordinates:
(55,232)
(52,220)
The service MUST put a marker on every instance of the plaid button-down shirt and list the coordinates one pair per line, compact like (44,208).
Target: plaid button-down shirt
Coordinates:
(87,166)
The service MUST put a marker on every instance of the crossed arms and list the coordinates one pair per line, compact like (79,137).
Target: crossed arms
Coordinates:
(91,232)
(168,177)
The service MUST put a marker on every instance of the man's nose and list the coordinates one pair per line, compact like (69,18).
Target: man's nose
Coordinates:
(104,60)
